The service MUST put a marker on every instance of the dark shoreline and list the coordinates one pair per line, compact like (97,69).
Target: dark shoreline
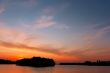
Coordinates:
(45,62)
(89,63)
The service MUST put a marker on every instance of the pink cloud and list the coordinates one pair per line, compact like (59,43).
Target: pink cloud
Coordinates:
(12,37)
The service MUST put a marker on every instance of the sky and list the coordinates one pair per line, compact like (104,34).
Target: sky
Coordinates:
(65,30)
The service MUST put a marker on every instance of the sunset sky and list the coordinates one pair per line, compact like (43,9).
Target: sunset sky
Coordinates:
(65,30)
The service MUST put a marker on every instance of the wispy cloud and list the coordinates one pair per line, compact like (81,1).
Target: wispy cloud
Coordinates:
(24,46)
(99,32)
(14,38)
(16,35)
(50,12)
(45,21)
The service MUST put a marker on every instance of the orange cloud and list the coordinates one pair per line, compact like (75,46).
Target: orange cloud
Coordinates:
(14,52)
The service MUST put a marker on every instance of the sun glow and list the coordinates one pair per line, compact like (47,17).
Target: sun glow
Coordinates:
(20,53)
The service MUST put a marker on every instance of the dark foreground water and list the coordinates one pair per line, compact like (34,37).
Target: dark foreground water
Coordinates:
(56,69)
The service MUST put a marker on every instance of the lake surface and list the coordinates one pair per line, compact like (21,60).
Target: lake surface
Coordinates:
(56,69)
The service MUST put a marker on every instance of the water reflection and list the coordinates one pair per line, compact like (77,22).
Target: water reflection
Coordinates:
(24,69)
(56,69)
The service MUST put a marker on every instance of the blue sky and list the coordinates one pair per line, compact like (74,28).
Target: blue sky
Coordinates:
(64,25)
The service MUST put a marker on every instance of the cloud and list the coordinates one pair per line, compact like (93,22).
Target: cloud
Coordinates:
(95,40)
(99,32)
(16,38)
(52,11)
(17,34)
(45,21)
(25,46)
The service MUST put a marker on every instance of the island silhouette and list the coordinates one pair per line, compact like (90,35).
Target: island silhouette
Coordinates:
(36,62)
(89,63)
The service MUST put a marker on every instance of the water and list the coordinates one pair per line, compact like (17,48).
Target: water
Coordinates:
(56,69)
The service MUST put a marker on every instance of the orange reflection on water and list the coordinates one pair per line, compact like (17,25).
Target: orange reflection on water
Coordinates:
(11,69)
(56,69)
